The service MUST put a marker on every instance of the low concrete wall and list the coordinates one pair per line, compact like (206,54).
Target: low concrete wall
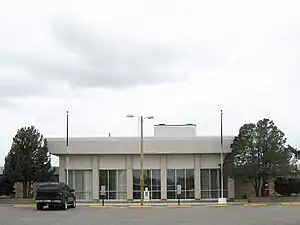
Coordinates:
(271,199)
(12,201)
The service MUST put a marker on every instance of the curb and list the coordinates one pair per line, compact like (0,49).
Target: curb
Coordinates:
(24,206)
(101,206)
(257,205)
(218,205)
(178,206)
(139,206)
(289,203)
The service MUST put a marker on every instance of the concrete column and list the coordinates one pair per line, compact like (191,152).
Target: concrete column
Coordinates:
(197,176)
(95,177)
(163,176)
(231,187)
(61,170)
(129,175)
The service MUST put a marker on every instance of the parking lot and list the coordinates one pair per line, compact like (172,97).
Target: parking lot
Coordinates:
(82,215)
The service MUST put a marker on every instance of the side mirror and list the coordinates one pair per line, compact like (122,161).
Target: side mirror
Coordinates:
(72,190)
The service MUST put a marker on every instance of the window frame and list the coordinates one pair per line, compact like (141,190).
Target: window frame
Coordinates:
(152,191)
(184,190)
(112,194)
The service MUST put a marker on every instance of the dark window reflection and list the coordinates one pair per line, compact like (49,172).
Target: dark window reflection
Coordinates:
(114,182)
(152,181)
(211,184)
(183,177)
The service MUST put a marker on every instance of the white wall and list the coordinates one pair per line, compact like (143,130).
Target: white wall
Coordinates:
(150,162)
(80,162)
(210,161)
(174,130)
(112,162)
(180,161)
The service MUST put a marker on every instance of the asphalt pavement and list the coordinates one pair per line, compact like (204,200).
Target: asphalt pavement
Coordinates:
(196,215)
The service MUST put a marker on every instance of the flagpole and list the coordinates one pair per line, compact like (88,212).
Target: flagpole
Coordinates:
(222,150)
(67,149)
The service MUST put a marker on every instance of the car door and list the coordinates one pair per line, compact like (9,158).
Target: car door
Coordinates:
(70,194)
(64,190)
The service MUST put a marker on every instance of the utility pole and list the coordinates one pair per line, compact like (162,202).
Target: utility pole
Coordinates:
(142,182)
(67,149)
(142,161)
(222,150)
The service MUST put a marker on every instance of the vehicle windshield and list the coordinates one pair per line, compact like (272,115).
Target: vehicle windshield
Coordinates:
(49,186)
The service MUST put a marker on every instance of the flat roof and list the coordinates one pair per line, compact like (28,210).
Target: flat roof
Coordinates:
(131,145)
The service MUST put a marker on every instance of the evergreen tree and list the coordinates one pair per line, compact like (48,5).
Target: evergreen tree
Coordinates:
(28,160)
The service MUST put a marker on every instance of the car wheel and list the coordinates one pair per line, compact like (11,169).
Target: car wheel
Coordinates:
(73,205)
(65,205)
(39,206)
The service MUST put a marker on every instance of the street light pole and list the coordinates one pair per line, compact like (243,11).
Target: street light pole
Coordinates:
(222,150)
(142,182)
(67,150)
(142,160)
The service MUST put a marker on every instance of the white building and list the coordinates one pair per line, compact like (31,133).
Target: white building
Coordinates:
(174,155)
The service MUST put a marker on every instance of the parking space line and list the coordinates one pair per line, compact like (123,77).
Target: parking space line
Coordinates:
(218,205)
(290,203)
(102,206)
(178,206)
(24,206)
(139,206)
(257,204)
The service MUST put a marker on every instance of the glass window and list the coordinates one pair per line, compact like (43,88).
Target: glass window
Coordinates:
(190,184)
(136,184)
(81,181)
(183,177)
(112,180)
(214,184)
(103,178)
(204,180)
(155,184)
(122,185)
(211,183)
(171,180)
(147,179)
(180,176)
(71,179)
(225,187)
(152,181)
(115,183)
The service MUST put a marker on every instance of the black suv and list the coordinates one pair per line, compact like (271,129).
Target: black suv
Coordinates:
(55,195)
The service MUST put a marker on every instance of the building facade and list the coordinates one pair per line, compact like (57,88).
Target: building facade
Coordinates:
(171,157)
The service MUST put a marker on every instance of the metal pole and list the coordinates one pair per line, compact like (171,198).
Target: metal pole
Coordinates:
(222,150)
(142,161)
(67,149)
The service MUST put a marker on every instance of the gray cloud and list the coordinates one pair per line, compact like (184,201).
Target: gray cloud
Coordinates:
(113,62)
(20,88)
(7,104)
(91,60)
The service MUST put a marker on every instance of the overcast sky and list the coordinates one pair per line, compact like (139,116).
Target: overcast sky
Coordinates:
(180,61)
